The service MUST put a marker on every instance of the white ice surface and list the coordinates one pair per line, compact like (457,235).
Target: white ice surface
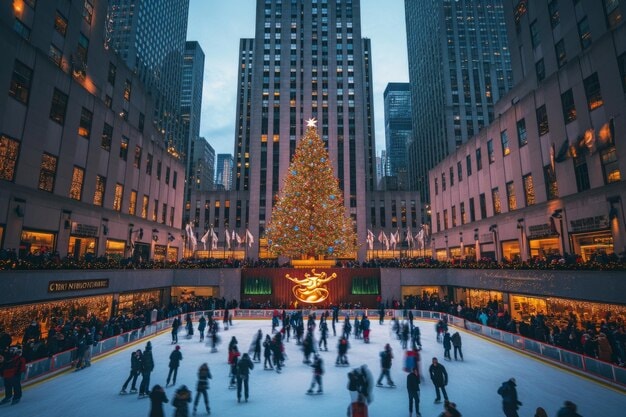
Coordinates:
(93,392)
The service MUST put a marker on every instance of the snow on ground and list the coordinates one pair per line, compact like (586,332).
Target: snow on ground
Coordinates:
(94,392)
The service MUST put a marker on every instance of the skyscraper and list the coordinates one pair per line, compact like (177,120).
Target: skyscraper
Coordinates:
(150,37)
(309,61)
(224,171)
(202,165)
(190,110)
(398,131)
(459,66)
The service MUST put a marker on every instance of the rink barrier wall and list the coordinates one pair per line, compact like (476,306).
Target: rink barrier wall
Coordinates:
(582,364)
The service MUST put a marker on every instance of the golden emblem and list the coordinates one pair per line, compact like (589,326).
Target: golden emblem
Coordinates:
(311,288)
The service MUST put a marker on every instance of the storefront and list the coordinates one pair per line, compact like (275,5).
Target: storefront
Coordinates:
(132,302)
(164,253)
(511,250)
(481,298)
(591,237)
(182,294)
(543,240)
(522,307)
(36,242)
(114,249)
(83,240)
(421,291)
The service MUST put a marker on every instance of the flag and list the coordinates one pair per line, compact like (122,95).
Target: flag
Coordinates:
(249,238)
(409,237)
(392,241)
(227,233)
(204,238)
(239,239)
(370,239)
(192,238)
(381,238)
(420,238)
(213,239)
(386,241)
(234,236)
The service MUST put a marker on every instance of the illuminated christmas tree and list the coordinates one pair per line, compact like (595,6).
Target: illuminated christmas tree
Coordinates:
(309,218)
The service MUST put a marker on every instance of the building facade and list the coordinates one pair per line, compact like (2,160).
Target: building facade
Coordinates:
(82,174)
(150,37)
(224,171)
(398,131)
(544,179)
(459,67)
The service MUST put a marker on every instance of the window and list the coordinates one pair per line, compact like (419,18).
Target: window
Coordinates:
(463,214)
(445,219)
(542,121)
(155,210)
(60,24)
(510,196)
(167,175)
(451,176)
(436,186)
(84,128)
(472,209)
(58,107)
(124,148)
(175,180)
(534,34)
(581,172)
(479,160)
(55,55)
(20,82)
(540,70)
(117,197)
(137,160)
(584,33)
(453,215)
(21,29)
(98,195)
(468,164)
(112,73)
(592,91)
(443,181)
(76,188)
(132,205)
(141,122)
(569,109)
(522,137)
(459,171)
(149,164)
(529,190)
(561,56)
(612,12)
(144,207)
(159,165)
(608,155)
(87,11)
(47,172)
(107,137)
(552,189)
(127,90)
(553,11)
(621,62)
(497,205)
(82,49)
(108,101)
(164,213)
(483,206)
(9,150)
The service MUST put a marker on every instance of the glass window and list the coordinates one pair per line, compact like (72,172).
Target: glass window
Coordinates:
(82,50)
(20,82)
(98,196)
(124,148)
(621,62)
(581,172)
(534,34)
(612,12)
(592,91)
(159,165)
(137,160)
(540,70)
(132,205)
(112,73)
(58,107)
(443,181)
(76,188)
(60,24)
(504,139)
(510,195)
(149,164)
(144,207)
(21,29)
(451,176)
(472,209)
(167,175)
(569,109)
(84,128)
(107,137)
(522,137)
(561,55)
(117,197)
(479,161)
(553,11)
(47,172)
(542,121)
(529,190)
(80,246)
(9,150)
(584,33)
(497,205)
(459,170)
(87,11)
(490,152)
(468,164)
(127,90)
(436,186)
(175,179)
(552,188)
(36,243)
(55,55)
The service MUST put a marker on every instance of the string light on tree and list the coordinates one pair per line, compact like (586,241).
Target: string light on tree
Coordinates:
(309,218)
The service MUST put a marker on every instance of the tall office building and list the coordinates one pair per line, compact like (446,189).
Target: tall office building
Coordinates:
(150,37)
(224,171)
(202,166)
(459,66)
(309,61)
(190,110)
(398,131)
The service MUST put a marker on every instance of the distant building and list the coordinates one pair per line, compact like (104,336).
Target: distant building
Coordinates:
(224,171)
(203,165)
(398,132)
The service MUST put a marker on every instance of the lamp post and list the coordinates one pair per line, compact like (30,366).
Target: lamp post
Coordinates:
(462,246)
(477,243)
(558,214)
(522,239)
(494,230)
(447,249)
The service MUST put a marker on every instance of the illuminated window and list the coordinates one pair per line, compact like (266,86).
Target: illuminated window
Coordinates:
(542,121)
(144,207)
(510,196)
(36,242)
(76,188)
(60,24)
(58,107)
(9,150)
(504,138)
(84,127)
(117,197)
(155,210)
(522,137)
(490,152)
(132,205)
(20,82)
(87,11)
(529,189)
(497,205)
(612,12)
(553,11)
(47,172)
(127,90)
(55,55)
(463,213)
(124,148)
(584,33)
(98,195)
(445,219)
(137,160)
(592,91)
(569,108)
(552,188)
(453,216)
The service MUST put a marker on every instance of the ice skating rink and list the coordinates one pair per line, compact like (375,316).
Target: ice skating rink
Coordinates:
(94,391)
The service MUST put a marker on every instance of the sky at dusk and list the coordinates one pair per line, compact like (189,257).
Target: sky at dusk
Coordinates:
(219,24)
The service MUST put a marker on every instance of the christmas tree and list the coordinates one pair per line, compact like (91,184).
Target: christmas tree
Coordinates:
(309,217)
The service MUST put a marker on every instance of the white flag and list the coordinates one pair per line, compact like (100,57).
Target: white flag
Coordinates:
(409,237)
(392,240)
(234,236)
(381,235)
(420,238)
(385,241)
(213,239)
(192,238)
(370,239)
(227,233)
(249,238)
(204,238)
(239,239)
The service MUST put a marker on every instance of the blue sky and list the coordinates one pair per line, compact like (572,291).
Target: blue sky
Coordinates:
(219,24)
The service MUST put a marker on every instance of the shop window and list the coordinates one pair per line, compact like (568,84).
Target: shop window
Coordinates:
(84,128)
(21,80)
(9,150)
(552,189)
(568,106)
(561,54)
(76,188)
(98,196)
(115,248)
(36,243)
(60,24)
(117,197)
(497,204)
(592,91)
(584,33)
(543,126)
(58,107)
(529,190)
(47,172)
(80,246)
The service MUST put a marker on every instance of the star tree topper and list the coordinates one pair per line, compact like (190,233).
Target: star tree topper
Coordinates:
(311,123)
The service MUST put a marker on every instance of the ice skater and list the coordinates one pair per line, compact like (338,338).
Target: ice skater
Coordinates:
(201,327)
(308,346)
(233,358)
(135,369)
(342,352)
(244,366)
(175,325)
(413,390)
(181,401)
(386,357)
(447,345)
(147,366)
(323,335)
(267,352)
(439,376)
(318,371)
(204,374)
(189,326)
(256,346)
(456,343)
(365,328)
(175,357)
(510,403)
(157,399)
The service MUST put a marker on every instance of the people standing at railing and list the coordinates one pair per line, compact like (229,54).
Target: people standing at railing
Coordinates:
(135,369)
(147,366)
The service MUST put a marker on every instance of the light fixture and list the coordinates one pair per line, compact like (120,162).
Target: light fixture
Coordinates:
(557,214)
(19,211)
(493,228)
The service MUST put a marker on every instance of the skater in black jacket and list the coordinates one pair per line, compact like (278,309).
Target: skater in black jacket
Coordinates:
(256,346)
(323,335)
(175,325)
(175,358)
(244,366)
(135,369)
(342,351)
(267,352)
(413,389)
(201,327)
(157,399)
(204,374)
(147,366)
(318,371)
(181,401)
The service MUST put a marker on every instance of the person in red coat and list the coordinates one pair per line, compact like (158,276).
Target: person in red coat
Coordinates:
(12,371)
